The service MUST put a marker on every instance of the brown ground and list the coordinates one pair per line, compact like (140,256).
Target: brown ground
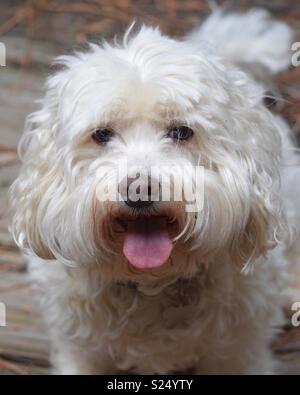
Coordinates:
(34,32)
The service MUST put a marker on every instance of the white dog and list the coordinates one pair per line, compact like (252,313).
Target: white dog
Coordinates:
(142,285)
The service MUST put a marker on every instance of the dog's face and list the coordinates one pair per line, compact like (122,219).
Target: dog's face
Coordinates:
(154,103)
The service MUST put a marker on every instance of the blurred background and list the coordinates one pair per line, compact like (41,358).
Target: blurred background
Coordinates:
(34,32)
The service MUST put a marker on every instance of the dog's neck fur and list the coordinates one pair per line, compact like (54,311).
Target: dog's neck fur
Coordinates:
(183,290)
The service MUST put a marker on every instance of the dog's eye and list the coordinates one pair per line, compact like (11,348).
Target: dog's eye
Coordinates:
(102,136)
(180,133)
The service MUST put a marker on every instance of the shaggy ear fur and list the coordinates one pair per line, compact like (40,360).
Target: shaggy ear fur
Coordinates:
(39,179)
(262,160)
(259,236)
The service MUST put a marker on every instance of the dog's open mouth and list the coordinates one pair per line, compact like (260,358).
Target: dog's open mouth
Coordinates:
(147,242)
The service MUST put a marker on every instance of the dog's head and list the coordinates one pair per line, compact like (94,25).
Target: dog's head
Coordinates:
(133,119)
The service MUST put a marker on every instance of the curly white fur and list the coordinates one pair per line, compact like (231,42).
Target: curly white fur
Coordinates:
(198,310)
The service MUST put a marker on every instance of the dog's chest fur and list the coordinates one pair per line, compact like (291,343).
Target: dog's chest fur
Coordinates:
(138,320)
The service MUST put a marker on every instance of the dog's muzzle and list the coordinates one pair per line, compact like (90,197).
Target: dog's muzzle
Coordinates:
(147,242)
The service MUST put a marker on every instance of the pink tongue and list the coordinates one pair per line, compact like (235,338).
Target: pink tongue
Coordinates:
(147,243)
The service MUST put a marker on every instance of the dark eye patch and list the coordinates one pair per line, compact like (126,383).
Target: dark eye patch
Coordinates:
(103,136)
(180,133)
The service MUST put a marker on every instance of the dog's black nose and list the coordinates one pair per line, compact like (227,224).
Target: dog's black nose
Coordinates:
(139,192)
(145,201)
(138,204)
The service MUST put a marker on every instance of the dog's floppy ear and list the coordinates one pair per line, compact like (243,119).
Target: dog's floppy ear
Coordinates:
(39,176)
(260,235)
(261,157)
